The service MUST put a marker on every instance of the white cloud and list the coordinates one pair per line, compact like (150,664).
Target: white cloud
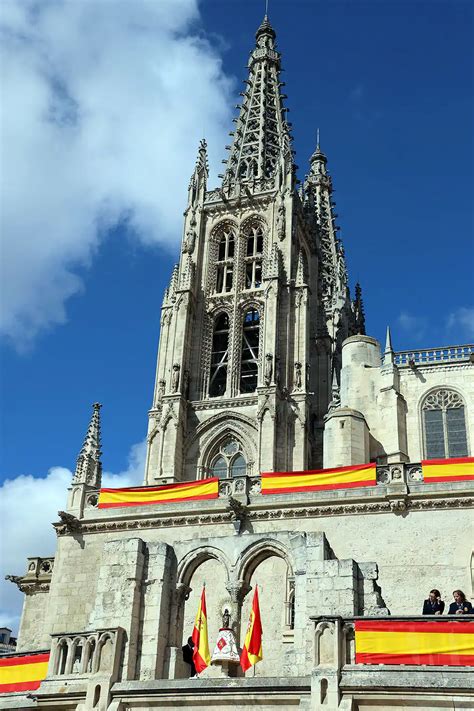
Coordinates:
(103,106)
(461,322)
(27,508)
(415,326)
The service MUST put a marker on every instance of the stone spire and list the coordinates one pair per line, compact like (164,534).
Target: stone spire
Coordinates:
(89,467)
(388,353)
(198,182)
(358,308)
(333,280)
(261,138)
(335,393)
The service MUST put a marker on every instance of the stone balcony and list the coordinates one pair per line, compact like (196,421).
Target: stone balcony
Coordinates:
(338,681)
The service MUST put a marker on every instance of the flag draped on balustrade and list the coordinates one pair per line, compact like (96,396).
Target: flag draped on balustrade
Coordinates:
(320,479)
(166,494)
(252,649)
(449,643)
(439,470)
(22,672)
(201,655)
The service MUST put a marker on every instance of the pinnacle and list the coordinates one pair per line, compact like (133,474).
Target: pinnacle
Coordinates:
(265,28)
(88,466)
(261,138)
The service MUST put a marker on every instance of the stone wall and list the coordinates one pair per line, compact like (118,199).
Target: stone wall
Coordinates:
(114,578)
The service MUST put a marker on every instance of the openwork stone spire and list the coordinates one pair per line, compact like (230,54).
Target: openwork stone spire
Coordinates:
(89,467)
(358,309)
(261,138)
(333,271)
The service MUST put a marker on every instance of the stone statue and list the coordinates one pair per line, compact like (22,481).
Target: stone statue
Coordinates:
(189,242)
(281,222)
(268,369)
(298,380)
(161,389)
(175,377)
(226,619)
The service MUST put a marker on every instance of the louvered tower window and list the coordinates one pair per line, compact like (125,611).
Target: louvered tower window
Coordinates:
(219,356)
(253,258)
(225,262)
(249,355)
(444,425)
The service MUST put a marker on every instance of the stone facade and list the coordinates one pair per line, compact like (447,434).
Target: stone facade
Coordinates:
(263,366)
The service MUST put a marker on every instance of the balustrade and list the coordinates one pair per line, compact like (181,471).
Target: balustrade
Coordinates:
(430,356)
(85,653)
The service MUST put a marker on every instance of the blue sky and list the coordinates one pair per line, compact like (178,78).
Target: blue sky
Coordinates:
(102,137)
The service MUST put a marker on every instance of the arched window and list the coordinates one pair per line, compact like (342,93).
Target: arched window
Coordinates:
(219,356)
(249,355)
(229,461)
(444,425)
(225,261)
(253,258)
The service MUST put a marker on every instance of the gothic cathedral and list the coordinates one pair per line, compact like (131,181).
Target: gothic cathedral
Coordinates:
(286,452)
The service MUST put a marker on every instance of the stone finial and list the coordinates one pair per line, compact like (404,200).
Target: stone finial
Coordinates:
(88,466)
(388,356)
(335,393)
(358,307)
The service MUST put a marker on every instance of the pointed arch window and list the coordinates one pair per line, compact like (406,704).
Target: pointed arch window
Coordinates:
(225,262)
(249,354)
(444,425)
(253,257)
(229,461)
(219,356)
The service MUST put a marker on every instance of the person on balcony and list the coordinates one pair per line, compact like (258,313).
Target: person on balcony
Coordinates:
(460,606)
(433,605)
(188,656)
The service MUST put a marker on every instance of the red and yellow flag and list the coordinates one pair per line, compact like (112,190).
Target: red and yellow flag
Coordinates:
(449,643)
(252,649)
(166,494)
(22,672)
(434,470)
(201,656)
(340,478)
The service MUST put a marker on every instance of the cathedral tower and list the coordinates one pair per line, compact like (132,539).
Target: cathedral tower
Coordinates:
(257,308)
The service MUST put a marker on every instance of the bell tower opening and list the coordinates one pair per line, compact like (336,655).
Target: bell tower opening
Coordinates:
(249,354)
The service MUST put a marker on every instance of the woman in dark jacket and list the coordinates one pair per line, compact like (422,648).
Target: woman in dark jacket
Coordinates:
(433,605)
(460,606)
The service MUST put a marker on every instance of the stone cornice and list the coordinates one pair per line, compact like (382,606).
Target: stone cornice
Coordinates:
(280,510)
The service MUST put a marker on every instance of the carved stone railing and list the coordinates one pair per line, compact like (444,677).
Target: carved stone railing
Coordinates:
(85,653)
(432,356)
(240,486)
(411,473)
(335,642)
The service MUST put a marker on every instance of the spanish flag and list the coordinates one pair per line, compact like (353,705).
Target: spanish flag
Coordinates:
(252,649)
(434,470)
(201,656)
(166,494)
(22,672)
(319,479)
(449,643)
